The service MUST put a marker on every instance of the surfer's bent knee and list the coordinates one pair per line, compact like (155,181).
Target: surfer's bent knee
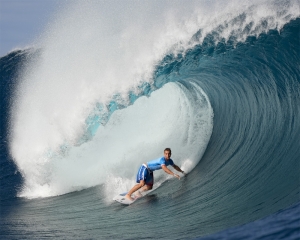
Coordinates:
(141,184)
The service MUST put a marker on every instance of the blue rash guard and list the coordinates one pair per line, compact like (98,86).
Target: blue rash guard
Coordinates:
(157,163)
(146,171)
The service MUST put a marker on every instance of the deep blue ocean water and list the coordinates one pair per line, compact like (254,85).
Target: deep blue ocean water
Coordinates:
(247,183)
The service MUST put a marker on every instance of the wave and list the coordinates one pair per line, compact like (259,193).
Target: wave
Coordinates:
(98,97)
(89,68)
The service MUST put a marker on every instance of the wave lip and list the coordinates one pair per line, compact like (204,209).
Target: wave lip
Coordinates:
(87,62)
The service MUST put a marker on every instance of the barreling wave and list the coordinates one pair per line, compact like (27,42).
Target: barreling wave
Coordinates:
(79,79)
(222,91)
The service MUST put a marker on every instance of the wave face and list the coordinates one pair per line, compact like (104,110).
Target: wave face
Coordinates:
(109,90)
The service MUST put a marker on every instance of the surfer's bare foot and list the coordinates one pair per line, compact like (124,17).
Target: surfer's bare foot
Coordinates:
(129,197)
(138,194)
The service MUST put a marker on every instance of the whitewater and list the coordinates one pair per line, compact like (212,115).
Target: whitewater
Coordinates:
(109,85)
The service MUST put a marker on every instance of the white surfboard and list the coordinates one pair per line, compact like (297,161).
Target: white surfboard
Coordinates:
(121,199)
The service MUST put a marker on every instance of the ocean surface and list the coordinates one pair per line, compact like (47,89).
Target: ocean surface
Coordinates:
(108,85)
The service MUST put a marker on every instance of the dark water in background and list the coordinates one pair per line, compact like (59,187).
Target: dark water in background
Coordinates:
(250,169)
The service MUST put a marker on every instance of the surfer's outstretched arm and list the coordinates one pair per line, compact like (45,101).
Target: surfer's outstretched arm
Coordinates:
(167,170)
(178,168)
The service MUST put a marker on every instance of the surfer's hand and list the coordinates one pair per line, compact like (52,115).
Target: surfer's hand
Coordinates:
(175,175)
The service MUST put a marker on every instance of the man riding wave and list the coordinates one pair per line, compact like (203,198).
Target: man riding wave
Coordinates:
(145,178)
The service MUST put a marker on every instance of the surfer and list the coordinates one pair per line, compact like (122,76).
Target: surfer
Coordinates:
(145,177)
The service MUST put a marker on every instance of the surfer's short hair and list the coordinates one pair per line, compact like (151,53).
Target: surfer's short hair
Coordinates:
(167,149)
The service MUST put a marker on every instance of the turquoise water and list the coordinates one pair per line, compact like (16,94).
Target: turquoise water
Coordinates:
(228,109)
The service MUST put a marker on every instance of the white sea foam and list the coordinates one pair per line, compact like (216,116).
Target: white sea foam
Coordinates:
(94,49)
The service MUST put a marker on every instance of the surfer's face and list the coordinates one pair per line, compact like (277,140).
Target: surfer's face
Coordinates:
(167,155)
